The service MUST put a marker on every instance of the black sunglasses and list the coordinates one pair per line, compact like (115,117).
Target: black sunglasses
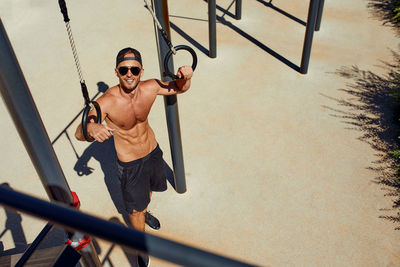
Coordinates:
(124,70)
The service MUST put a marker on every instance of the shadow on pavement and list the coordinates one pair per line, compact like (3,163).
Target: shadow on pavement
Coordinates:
(370,108)
(229,24)
(382,10)
(14,226)
(105,154)
(283,12)
(102,88)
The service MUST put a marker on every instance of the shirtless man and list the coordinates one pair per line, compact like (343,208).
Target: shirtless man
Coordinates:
(125,108)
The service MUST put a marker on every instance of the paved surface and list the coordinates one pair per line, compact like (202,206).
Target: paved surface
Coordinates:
(274,174)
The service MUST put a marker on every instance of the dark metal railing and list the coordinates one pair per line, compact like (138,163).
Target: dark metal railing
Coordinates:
(212,29)
(74,220)
(308,38)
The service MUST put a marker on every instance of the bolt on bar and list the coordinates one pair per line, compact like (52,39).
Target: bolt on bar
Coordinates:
(319,15)
(311,20)
(170,102)
(22,108)
(212,28)
(113,232)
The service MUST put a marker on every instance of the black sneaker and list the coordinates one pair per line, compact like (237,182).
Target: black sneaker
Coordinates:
(152,221)
(143,260)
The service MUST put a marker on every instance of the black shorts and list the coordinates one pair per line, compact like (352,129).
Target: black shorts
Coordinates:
(139,177)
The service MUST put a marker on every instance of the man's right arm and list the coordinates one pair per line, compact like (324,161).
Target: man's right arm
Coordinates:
(98,132)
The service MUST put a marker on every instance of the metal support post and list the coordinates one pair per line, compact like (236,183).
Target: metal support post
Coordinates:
(22,108)
(170,102)
(212,28)
(238,9)
(319,16)
(312,16)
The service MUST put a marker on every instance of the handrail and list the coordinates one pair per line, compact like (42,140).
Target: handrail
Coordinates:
(74,220)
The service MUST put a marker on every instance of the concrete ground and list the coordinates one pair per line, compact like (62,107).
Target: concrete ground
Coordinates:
(276,173)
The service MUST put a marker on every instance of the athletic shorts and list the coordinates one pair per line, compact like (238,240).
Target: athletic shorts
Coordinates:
(139,177)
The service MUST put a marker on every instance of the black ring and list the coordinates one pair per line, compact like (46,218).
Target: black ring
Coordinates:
(85,117)
(179,47)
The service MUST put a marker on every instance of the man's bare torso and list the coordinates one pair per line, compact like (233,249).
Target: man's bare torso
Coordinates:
(127,114)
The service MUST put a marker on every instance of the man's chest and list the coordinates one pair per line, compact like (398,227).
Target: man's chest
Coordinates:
(127,114)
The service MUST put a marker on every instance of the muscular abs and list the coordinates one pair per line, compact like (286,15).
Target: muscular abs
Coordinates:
(133,137)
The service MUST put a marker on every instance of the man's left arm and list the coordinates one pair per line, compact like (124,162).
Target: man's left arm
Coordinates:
(185,75)
(177,86)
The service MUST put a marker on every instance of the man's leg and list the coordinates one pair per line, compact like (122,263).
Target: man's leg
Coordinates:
(150,220)
(137,220)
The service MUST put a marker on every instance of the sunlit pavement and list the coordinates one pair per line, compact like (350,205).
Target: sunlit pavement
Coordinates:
(276,173)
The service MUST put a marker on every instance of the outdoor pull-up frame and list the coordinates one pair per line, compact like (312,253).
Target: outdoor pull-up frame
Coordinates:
(313,24)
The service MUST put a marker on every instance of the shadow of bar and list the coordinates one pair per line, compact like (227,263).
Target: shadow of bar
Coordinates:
(189,39)
(290,16)
(258,43)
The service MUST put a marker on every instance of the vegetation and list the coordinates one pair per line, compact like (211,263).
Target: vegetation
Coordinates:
(395,88)
(396,12)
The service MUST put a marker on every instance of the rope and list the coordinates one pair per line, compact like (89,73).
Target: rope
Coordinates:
(74,52)
(163,33)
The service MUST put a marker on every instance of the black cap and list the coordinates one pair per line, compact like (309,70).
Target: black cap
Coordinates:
(121,55)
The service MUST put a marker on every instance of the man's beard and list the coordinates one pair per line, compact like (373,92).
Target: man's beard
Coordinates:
(130,90)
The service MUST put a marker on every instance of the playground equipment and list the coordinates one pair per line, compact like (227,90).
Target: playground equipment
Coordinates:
(313,24)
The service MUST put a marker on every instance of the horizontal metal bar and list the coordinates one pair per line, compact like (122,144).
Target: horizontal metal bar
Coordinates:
(119,234)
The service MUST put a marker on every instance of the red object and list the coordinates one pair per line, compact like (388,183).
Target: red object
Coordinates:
(76,203)
(78,245)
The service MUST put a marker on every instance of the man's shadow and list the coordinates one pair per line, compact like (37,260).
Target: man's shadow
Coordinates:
(14,226)
(106,155)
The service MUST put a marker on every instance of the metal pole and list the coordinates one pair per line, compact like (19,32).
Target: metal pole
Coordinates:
(312,15)
(238,11)
(170,102)
(20,104)
(212,28)
(319,16)
(128,237)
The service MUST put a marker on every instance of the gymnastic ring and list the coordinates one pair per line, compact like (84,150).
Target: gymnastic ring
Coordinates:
(169,54)
(85,118)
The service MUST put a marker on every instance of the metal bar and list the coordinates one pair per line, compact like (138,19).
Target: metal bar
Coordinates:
(128,237)
(312,16)
(28,253)
(212,28)
(170,102)
(22,108)
(20,104)
(238,9)
(319,15)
